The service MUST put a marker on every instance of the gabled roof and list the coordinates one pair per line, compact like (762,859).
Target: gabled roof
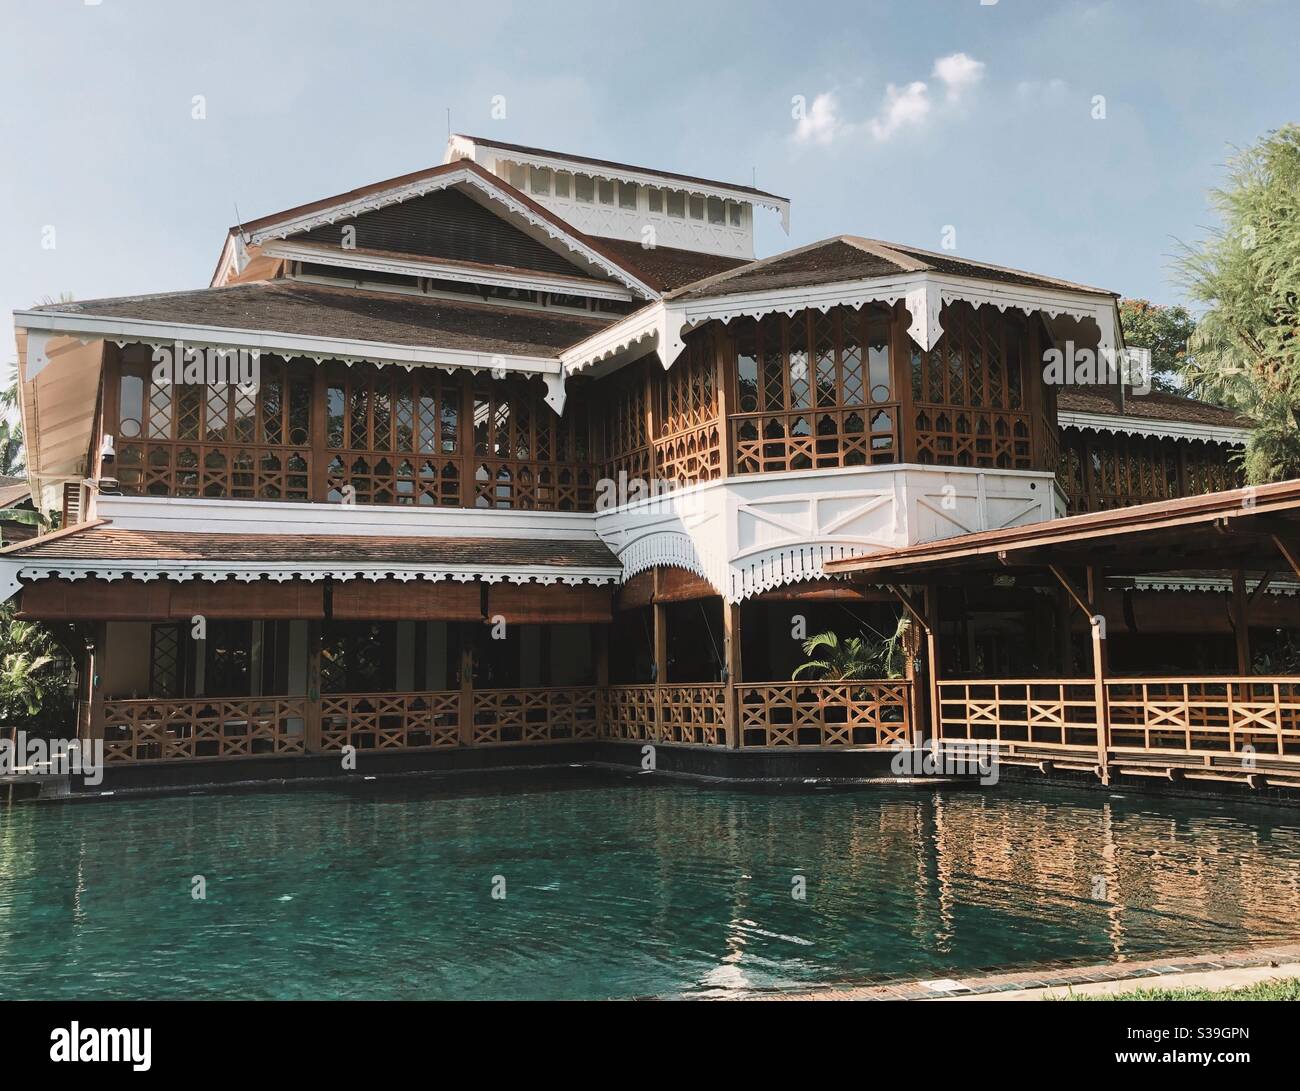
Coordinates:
(557,232)
(313,310)
(847,258)
(609,164)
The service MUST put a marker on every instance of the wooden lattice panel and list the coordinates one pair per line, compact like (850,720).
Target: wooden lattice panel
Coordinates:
(814,391)
(534,715)
(146,730)
(693,714)
(835,714)
(390,721)
(630,712)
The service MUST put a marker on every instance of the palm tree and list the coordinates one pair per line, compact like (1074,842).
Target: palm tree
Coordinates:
(26,651)
(855,657)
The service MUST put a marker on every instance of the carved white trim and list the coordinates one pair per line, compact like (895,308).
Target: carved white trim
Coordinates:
(1119,424)
(1208,583)
(923,293)
(123,331)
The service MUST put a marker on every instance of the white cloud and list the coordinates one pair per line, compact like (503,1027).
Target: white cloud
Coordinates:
(821,123)
(903,106)
(958,73)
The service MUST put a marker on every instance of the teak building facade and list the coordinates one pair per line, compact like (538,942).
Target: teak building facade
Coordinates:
(536,451)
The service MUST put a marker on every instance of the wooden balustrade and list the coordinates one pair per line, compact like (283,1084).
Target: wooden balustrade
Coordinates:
(151,730)
(388,721)
(534,715)
(1206,717)
(1021,714)
(785,714)
(825,714)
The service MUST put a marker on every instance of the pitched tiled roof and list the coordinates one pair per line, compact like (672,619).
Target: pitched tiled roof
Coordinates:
(1157,405)
(667,267)
(847,257)
(524,149)
(293,307)
(13,490)
(103,542)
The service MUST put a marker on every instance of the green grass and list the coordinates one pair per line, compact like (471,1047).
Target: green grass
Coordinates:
(1287,988)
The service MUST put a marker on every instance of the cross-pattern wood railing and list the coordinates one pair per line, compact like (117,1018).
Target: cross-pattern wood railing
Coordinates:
(388,721)
(1021,713)
(1247,718)
(825,714)
(1226,727)
(534,715)
(149,730)
(694,713)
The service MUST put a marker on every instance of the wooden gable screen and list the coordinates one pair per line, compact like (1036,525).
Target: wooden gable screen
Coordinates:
(1099,471)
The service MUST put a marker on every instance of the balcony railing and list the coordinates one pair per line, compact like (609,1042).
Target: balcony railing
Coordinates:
(778,714)
(1227,728)
(148,730)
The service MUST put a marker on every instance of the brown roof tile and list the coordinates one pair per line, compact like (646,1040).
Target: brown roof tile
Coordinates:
(1157,405)
(104,542)
(667,267)
(847,257)
(293,307)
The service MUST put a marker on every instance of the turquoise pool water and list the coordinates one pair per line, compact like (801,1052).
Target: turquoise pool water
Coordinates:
(614,887)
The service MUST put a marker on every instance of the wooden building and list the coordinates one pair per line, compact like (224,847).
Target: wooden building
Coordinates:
(528,448)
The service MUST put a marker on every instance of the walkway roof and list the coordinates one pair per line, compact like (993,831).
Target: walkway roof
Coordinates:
(1254,528)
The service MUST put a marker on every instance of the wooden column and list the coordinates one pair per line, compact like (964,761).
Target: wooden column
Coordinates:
(466,683)
(311,715)
(96,665)
(1097,627)
(1241,621)
(601,635)
(933,659)
(319,426)
(731,660)
(660,611)
(912,641)
(722,383)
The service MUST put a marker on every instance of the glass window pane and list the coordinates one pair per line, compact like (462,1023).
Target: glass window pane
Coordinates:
(734,209)
(517,172)
(541,180)
(584,187)
(656,197)
(562,185)
(677,203)
(716,211)
(627,195)
(131,405)
(697,208)
(606,191)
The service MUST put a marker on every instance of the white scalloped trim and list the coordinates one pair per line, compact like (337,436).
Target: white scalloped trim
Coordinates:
(545,577)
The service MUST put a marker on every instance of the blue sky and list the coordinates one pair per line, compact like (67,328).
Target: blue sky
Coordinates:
(918,116)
